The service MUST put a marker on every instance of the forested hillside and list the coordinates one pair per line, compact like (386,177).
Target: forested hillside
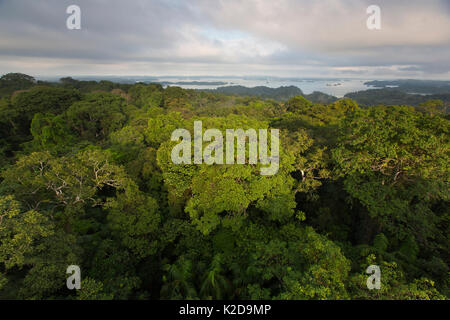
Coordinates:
(393,96)
(87,179)
(280,94)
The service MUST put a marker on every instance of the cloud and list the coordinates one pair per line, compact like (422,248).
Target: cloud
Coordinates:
(277,37)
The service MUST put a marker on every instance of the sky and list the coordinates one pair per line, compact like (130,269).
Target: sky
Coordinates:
(284,38)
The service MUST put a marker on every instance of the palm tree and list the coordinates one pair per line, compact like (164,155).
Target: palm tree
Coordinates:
(177,280)
(215,285)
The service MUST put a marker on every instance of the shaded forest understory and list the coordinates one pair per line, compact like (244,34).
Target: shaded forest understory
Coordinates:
(86,179)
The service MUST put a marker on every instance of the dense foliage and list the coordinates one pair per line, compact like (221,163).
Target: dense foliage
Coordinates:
(87,179)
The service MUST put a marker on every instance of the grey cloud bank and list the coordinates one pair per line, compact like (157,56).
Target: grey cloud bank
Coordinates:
(280,38)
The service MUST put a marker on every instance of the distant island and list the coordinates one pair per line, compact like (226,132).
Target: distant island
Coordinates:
(280,94)
(394,96)
(192,83)
(413,86)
